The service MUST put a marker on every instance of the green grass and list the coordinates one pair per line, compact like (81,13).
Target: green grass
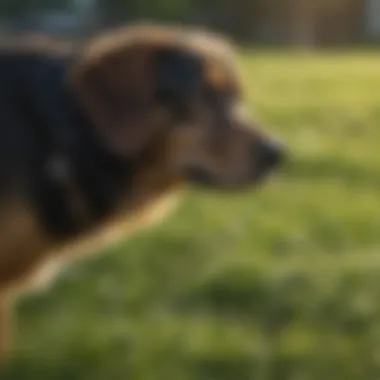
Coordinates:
(274,285)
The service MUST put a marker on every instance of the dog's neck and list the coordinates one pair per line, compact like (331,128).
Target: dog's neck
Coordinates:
(76,180)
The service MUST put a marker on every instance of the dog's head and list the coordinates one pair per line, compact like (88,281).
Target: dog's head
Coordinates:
(177,95)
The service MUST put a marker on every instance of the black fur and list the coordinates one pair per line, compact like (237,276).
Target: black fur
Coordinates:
(42,124)
(179,79)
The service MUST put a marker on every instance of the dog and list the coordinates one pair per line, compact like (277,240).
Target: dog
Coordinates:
(98,141)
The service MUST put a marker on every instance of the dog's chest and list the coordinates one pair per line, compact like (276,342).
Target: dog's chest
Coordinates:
(115,230)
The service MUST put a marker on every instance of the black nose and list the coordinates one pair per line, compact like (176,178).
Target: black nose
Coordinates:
(270,154)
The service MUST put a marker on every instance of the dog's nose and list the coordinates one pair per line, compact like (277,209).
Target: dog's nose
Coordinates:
(271,153)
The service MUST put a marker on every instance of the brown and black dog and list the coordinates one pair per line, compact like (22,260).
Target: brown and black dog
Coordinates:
(96,142)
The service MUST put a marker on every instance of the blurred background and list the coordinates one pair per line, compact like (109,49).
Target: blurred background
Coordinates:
(278,22)
(277,284)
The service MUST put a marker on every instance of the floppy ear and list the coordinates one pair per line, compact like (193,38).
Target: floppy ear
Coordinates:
(117,91)
(179,77)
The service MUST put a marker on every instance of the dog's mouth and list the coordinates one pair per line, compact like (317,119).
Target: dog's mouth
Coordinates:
(202,178)
(266,159)
(264,165)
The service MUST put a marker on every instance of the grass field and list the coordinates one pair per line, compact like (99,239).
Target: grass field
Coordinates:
(279,284)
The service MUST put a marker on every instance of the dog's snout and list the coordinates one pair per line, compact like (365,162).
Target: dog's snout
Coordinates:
(270,154)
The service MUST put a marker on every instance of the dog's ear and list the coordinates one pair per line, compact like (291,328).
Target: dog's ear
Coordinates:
(179,76)
(117,90)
